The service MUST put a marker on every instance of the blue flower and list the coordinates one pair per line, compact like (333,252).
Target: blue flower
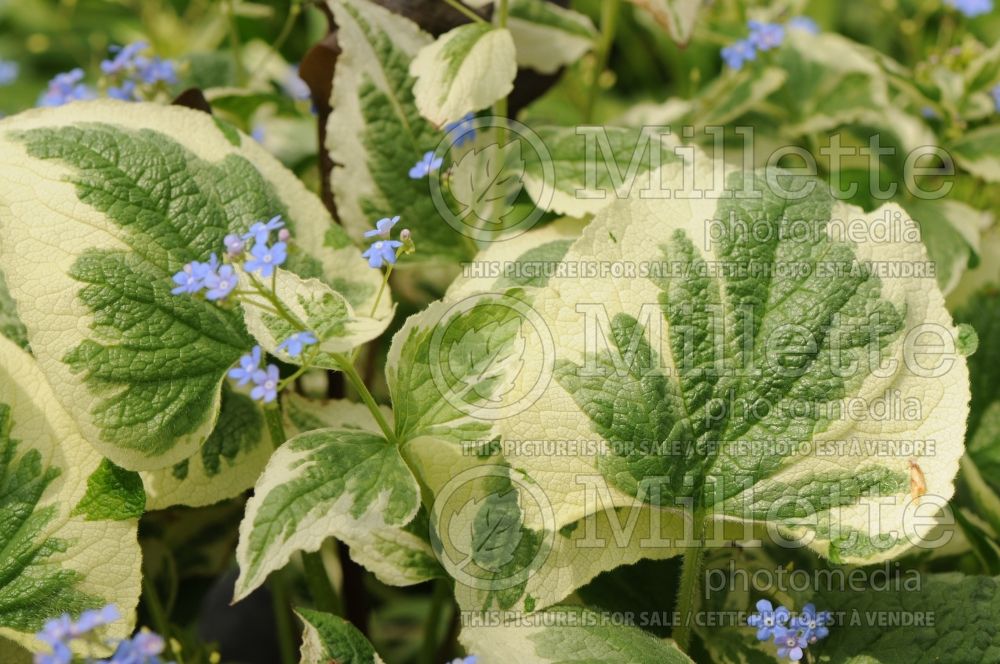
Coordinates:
(383,251)
(812,624)
(258,133)
(996,97)
(765,36)
(60,655)
(260,232)
(66,87)
(425,166)
(94,618)
(56,630)
(294,344)
(803,23)
(972,8)
(8,72)
(738,53)
(295,86)
(187,281)
(220,284)
(234,244)
(768,619)
(124,58)
(143,648)
(249,364)
(383,227)
(266,384)
(156,70)
(471,659)
(124,92)
(791,643)
(462,130)
(264,258)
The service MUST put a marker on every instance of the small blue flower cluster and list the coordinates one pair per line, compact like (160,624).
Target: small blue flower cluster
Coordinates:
(459,132)
(8,72)
(58,633)
(384,250)
(996,97)
(220,279)
(972,8)
(763,37)
(66,87)
(126,72)
(265,379)
(792,634)
(260,257)
(471,659)
(128,68)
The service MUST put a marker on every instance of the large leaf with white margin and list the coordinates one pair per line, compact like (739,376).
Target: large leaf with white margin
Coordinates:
(375,133)
(328,638)
(567,634)
(655,402)
(677,17)
(67,518)
(656,380)
(397,556)
(320,484)
(464,70)
(547,36)
(964,628)
(314,307)
(101,204)
(226,465)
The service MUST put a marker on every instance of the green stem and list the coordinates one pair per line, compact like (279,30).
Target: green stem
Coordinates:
(468,13)
(234,43)
(345,365)
(323,593)
(690,584)
(609,22)
(381,289)
(156,613)
(442,592)
(283,618)
(286,31)
(272,417)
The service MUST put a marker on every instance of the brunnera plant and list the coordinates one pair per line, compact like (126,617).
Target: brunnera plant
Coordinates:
(646,378)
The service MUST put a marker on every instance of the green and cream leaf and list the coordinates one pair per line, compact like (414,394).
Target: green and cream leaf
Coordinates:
(322,483)
(313,307)
(226,465)
(328,638)
(60,506)
(547,36)
(99,206)
(375,133)
(466,69)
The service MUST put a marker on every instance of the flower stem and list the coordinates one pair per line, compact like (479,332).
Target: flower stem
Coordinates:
(442,592)
(282,617)
(272,417)
(609,22)
(468,13)
(347,366)
(323,593)
(234,42)
(286,31)
(690,584)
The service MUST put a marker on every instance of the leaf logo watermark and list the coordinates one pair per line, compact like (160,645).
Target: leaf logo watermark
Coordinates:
(480,195)
(479,527)
(491,356)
